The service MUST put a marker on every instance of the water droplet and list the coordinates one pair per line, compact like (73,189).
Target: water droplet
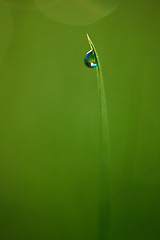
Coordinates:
(90,60)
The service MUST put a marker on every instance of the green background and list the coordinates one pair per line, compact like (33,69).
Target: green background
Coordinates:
(49,120)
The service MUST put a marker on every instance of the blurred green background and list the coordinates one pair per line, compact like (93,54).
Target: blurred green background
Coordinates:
(49,124)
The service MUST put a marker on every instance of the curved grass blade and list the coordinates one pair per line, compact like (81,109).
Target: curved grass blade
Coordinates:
(104,152)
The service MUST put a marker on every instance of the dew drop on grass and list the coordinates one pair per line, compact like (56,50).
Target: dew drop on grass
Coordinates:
(90,60)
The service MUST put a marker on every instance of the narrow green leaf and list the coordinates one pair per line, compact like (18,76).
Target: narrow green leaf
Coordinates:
(104,158)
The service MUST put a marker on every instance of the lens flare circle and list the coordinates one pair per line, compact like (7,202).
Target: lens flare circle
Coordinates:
(76,12)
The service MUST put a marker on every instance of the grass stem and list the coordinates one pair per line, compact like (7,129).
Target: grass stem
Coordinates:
(104,160)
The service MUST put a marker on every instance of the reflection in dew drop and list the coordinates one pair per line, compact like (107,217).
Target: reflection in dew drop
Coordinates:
(76,12)
(90,60)
(19,4)
(6,30)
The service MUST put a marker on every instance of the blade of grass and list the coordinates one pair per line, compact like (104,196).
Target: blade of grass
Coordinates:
(104,151)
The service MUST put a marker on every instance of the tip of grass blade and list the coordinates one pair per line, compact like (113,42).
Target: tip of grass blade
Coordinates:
(90,42)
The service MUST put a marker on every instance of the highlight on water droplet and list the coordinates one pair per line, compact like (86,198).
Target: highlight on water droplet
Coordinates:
(90,59)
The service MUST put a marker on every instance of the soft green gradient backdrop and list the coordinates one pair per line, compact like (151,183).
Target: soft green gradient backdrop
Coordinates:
(49,124)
